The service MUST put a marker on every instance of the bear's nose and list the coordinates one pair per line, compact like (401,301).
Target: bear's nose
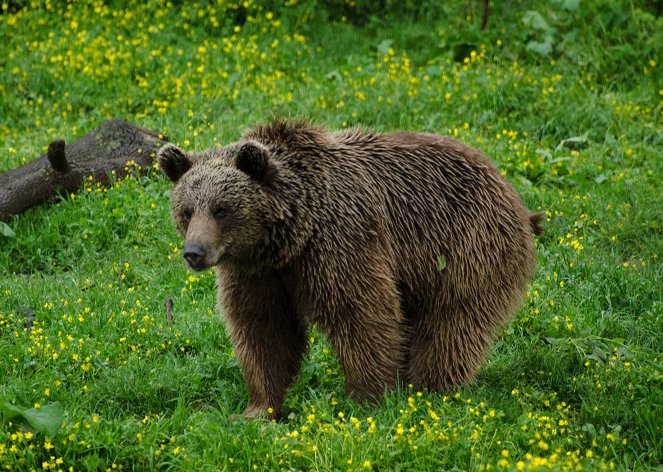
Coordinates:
(194,255)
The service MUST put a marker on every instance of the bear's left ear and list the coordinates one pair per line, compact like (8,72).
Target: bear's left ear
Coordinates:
(253,159)
(173,162)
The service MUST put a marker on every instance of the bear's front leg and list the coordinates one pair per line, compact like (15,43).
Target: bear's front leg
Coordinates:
(268,339)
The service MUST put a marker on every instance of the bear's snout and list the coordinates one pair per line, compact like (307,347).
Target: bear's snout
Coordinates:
(195,256)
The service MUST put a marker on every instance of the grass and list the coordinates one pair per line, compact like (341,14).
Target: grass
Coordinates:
(568,101)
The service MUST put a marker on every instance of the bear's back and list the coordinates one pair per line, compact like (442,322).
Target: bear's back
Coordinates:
(438,197)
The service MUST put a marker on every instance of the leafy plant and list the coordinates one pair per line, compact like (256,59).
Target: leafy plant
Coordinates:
(46,419)
(6,230)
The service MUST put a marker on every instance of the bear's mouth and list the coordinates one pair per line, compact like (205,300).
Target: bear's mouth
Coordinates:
(198,267)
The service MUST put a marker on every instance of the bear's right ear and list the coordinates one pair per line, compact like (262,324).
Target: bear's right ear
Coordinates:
(253,159)
(173,162)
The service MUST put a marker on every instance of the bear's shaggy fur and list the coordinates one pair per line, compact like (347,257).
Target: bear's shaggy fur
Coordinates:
(348,230)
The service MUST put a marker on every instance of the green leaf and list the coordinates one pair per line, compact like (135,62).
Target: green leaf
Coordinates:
(524,181)
(9,411)
(534,20)
(46,420)
(441,263)
(576,142)
(542,48)
(590,429)
(571,5)
(601,178)
(6,230)
(384,46)
(334,75)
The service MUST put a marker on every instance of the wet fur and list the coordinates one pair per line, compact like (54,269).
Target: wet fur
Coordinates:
(345,229)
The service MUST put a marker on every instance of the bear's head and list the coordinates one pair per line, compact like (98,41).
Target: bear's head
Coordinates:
(221,202)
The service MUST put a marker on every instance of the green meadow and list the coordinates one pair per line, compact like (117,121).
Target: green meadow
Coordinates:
(566,96)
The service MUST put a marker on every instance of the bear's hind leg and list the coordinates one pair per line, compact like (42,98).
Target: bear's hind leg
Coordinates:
(447,346)
(268,339)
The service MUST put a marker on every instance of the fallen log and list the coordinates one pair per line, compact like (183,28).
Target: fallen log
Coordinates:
(64,168)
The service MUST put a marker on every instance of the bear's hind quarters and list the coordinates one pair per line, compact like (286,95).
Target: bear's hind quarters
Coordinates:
(536,221)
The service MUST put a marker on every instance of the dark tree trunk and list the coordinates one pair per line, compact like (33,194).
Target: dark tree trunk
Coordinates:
(486,12)
(64,168)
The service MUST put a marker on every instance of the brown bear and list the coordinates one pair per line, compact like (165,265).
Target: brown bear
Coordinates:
(408,250)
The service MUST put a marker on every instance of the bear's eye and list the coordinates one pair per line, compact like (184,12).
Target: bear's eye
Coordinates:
(220,213)
(186,215)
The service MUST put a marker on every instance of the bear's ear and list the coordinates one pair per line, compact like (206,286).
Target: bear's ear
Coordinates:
(173,162)
(253,159)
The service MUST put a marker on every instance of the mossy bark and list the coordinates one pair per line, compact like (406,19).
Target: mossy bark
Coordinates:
(64,168)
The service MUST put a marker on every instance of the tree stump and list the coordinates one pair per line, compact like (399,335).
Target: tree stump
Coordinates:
(64,168)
